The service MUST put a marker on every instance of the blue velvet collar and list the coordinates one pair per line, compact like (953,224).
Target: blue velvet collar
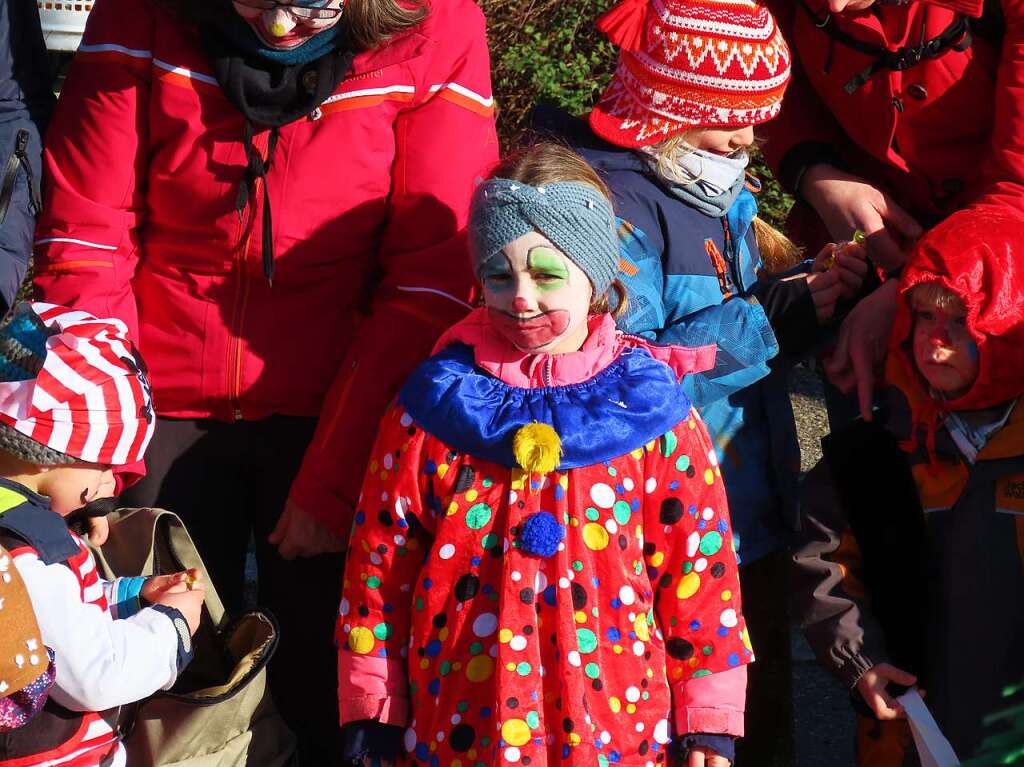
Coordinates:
(634,400)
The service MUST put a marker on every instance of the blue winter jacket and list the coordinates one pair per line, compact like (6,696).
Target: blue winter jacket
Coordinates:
(690,279)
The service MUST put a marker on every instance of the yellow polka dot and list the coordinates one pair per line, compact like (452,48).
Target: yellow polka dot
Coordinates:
(424,663)
(453,508)
(443,634)
(457,666)
(726,595)
(471,495)
(688,585)
(640,627)
(480,668)
(692,424)
(595,536)
(693,662)
(515,732)
(433,746)
(581,617)
(630,708)
(564,481)
(505,636)
(650,673)
(637,454)
(442,470)
(574,522)
(471,754)
(374,466)
(709,476)
(510,666)
(617,649)
(360,640)
(718,471)
(677,672)
(650,446)
(657,558)
(457,763)
(574,739)
(615,704)
(383,476)
(746,639)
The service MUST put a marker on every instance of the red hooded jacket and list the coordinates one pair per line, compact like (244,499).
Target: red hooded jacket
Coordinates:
(369,195)
(939,135)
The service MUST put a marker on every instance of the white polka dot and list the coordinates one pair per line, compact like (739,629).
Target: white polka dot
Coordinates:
(540,582)
(692,543)
(700,565)
(626,595)
(708,513)
(375,558)
(650,485)
(389,461)
(639,727)
(638,648)
(405,420)
(602,496)
(518,643)
(632,694)
(661,732)
(410,740)
(344,607)
(384,496)
(516,576)
(563,583)
(447,551)
(574,658)
(611,526)
(606,737)
(485,624)
(729,618)
(456,718)
(512,497)
(399,540)
(512,754)
(712,457)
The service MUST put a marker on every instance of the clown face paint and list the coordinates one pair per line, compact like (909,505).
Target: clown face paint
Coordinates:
(537,299)
(944,351)
(285,25)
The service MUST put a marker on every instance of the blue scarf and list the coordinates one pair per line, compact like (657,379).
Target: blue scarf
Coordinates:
(244,37)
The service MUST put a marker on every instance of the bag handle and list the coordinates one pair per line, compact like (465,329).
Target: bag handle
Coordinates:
(140,538)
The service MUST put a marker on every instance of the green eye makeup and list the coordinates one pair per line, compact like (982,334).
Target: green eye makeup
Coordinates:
(550,265)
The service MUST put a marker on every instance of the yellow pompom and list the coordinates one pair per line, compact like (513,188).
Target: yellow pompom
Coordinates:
(537,448)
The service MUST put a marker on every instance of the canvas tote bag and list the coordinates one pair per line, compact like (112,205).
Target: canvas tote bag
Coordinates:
(219,712)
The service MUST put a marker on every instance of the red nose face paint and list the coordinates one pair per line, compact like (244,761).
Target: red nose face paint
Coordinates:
(533,332)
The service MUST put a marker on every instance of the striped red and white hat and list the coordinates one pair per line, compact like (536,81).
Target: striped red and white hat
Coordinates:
(690,64)
(72,388)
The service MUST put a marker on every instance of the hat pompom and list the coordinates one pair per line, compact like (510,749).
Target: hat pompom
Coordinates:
(537,448)
(624,24)
(540,534)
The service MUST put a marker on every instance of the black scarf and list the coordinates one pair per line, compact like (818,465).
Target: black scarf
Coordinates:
(269,95)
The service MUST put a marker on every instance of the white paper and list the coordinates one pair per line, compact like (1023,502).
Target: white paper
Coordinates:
(932,747)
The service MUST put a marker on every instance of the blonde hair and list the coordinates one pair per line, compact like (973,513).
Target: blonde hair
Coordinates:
(778,252)
(935,294)
(371,23)
(547,163)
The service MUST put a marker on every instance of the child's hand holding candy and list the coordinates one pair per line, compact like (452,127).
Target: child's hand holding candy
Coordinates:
(183,591)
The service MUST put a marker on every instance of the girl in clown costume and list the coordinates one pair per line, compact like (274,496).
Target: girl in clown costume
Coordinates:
(541,570)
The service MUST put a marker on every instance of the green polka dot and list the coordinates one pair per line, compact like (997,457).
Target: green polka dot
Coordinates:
(533,720)
(462,706)
(699,674)
(645,695)
(593,612)
(687,567)
(710,543)
(593,514)
(707,649)
(373,582)
(445,668)
(577,566)
(621,512)
(487,482)
(638,567)
(476,648)
(667,444)
(478,515)
(419,603)
(602,760)
(682,463)
(382,631)
(586,640)
(592,671)
(523,669)
(490,541)
(612,471)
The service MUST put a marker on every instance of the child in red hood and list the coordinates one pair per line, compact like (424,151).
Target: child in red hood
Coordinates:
(909,569)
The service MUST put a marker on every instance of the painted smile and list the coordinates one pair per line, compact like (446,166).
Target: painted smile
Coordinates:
(533,332)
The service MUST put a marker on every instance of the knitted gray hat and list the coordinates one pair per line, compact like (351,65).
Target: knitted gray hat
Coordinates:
(575,217)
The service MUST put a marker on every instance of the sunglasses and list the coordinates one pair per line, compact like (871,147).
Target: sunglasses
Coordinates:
(298,11)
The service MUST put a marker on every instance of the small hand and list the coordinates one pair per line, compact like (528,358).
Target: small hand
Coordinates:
(849,259)
(175,583)
(872,688)
(863,343)
(706,757)
(825,290)
(847,203)
(189,603)
(297,534)
(99,530)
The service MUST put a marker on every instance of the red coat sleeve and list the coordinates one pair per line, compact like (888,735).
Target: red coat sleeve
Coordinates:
(444,144)
(87,244)
(688,548)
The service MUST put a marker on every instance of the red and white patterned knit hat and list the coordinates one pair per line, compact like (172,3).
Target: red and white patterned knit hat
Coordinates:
(72,388)
(690,64)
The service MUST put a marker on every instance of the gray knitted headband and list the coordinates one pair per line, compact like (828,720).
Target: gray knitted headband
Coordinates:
(575,217)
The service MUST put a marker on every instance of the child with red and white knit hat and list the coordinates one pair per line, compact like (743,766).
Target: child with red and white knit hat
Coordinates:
(74,403)
(670,136)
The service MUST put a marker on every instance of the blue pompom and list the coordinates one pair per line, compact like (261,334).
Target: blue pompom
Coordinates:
(540,534)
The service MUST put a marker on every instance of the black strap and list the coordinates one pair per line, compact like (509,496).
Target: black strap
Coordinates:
(18,159)
(956,36)
(257,167)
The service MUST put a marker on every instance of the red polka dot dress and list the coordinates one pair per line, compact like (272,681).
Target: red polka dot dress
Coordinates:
(545,619)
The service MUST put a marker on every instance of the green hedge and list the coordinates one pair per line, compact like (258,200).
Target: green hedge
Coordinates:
(550,51)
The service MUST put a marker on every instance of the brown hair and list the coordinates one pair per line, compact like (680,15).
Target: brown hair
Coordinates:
(547,163)
(778,252)
(367,23)
(935,294)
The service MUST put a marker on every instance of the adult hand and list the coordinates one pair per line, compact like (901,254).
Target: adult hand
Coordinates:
(297,534)
(846,203)
(872,688)
(706,757)
(863,342)
(99,530)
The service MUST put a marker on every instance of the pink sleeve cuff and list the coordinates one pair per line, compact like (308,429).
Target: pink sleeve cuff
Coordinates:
(372,688)
(320,503)
(712,704)
(384,710)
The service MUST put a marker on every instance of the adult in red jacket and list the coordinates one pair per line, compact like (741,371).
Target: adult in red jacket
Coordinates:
(271,195)
(898,114)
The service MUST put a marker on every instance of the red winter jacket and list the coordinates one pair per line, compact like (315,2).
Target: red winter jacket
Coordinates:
(940,135)
(369,195)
